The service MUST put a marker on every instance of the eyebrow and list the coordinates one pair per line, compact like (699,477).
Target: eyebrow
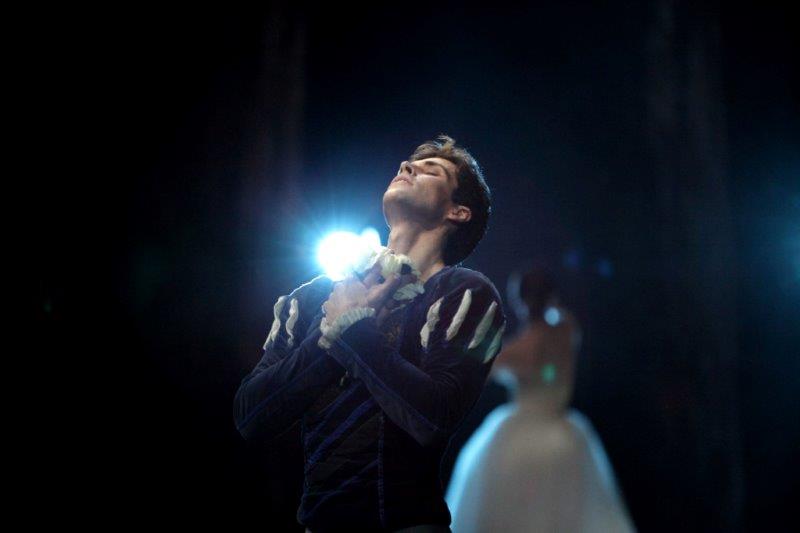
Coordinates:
(429,163)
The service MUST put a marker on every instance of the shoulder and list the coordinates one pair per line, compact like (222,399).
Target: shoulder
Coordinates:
(319,287)
(305,298)
(458,279)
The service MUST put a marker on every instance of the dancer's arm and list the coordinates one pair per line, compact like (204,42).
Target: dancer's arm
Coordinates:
(463,333)
(293,369)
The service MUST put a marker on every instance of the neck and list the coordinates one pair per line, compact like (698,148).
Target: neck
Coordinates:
(422,246)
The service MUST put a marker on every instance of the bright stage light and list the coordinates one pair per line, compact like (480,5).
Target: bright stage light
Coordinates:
(340,250)
(371,237)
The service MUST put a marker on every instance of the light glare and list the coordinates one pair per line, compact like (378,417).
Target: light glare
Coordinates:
(340,250)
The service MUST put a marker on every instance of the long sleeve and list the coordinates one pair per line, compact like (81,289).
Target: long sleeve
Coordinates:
(459,340)
(293,369)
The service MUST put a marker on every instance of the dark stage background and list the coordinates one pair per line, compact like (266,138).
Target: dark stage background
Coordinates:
(648,152)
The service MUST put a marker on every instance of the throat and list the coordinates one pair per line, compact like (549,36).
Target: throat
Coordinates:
(423,247)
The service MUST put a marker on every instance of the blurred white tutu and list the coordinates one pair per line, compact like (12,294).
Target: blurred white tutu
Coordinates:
(529,468)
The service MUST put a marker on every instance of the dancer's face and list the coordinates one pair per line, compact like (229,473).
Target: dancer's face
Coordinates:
(423,190)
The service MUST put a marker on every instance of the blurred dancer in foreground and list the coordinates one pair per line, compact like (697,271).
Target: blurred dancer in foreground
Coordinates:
(534,465)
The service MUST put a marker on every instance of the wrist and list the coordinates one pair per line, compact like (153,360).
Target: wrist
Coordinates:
(332,330)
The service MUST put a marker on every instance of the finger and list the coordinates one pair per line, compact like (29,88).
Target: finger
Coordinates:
(382,314)
(401,281)
(373,275)
(385,290)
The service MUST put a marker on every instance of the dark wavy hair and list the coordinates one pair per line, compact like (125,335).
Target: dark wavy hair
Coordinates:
(471,192)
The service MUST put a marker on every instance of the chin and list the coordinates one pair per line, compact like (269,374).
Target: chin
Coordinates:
(394,193)
(396,201)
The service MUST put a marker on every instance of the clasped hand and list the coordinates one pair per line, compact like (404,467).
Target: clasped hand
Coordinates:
(370,291)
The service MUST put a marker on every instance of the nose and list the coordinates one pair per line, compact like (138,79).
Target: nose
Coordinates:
(407,167)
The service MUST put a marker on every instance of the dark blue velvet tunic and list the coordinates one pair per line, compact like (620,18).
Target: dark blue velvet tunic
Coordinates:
(379,406)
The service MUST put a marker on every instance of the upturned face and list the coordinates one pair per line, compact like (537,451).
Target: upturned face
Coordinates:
(423,190)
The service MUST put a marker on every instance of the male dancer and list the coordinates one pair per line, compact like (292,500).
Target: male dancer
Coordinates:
(381,367)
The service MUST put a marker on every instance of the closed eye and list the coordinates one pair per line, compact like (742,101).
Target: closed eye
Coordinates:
(434,169)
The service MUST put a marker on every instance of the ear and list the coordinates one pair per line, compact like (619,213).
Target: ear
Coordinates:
(459,214)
